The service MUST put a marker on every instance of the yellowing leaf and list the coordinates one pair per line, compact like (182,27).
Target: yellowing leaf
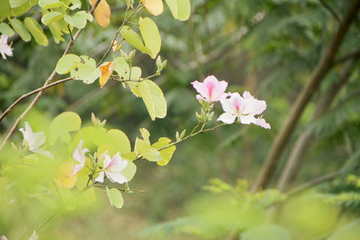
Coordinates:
(106,71)
(102,13)
(66,177)
(116,46)
(155,7)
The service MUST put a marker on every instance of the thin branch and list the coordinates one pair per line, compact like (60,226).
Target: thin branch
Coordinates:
(47,82)
(327,6)
(342,59)
(31,93)
(313,182)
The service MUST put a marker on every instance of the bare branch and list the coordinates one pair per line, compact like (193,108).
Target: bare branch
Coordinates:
(327,6)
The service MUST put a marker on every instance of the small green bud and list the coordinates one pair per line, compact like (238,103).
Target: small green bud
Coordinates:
(131,56)
(182,134)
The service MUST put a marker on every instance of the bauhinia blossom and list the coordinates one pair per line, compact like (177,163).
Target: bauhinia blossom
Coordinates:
(34,141)
(244,109)
(211,90)
(4,47)
(79,156)
(113,168)
(3,237)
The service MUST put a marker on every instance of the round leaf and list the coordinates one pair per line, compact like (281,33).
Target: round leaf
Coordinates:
(51,17)
(66,63)
(115,197)
(63,124)
(86,70)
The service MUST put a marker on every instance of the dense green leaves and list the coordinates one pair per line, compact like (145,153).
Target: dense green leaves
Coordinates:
(46,4)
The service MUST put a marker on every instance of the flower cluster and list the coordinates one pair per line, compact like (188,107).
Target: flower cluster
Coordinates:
(236,107)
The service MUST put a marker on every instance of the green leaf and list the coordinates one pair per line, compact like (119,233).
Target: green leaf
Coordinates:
(115,197)
(130,170)
(63,124)
(86,70)
(56,32)
(79,19)
(17,3)
(134,39)
(47,4)
(20,29)
(7,11)
(51,17)
(144,149)
(153,98)
(67,63)
(180,9)
(151,35)
(121,141)
(6,30)
(35,29)
(167,153)
(266,232)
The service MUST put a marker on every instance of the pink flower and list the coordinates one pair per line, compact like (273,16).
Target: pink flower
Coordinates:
(244,108)
(4,47)
(113,168)
(79,156)
(3,237)
(211,90)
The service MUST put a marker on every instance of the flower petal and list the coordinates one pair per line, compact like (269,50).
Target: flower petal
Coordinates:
(227,118)
(116,177)
(261,122)
(100,178)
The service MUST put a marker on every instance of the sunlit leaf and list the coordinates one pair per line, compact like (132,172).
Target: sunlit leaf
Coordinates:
(102,13)
(86,70)
(180,9)
(153,98)
(167,153)
(6,30)
(130,170)
(151,35)
(155,7)
(79,19)
(115,197)
(51,17)
(47,4)
(56,32)
(20,29)
(145,135)
(134,39)
(144,149)
(63,124)
(67,63)
(17,3)
(106,71)
(121,141)
(35,29)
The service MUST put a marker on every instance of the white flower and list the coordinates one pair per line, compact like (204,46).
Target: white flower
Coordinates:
(244,108)
(113,168)
(4,47)
(79,156)
(34,141)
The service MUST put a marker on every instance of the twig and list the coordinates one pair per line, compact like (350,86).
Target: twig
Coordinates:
(313,182)
(31,93)
(327,6)
(47,82)
(342,59)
